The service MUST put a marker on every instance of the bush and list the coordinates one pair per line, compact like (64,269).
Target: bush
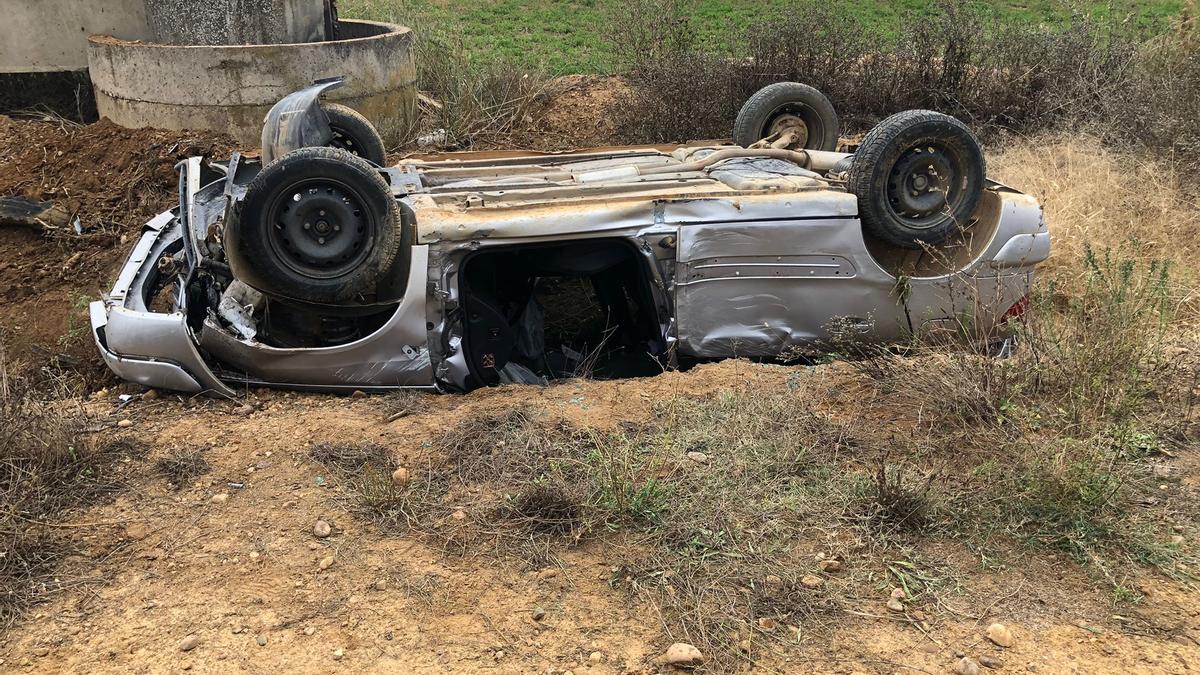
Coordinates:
(996,74)
(1156,106)
(471,101)
(1053,441)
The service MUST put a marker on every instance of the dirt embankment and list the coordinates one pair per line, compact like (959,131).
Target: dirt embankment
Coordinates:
(107,181)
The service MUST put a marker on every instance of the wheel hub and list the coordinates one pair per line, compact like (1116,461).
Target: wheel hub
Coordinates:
(321,229)
(790,123)
(922,185)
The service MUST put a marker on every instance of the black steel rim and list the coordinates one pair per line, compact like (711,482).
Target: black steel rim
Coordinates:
(344,141)
(925,184)
(321,228)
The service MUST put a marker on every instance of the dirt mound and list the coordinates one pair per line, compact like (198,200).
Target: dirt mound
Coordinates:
(576,111)
(109,180)
(108,176)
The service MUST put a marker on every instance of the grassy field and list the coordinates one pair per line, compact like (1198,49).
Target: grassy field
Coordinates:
(569,36)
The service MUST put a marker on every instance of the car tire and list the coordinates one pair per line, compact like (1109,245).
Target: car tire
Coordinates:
(779,106)
(354,133)
(319,225)
(918,176)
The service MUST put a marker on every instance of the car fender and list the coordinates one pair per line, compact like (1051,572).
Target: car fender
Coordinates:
(297,121)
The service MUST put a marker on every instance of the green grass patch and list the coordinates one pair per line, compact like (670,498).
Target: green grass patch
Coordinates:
(573,36)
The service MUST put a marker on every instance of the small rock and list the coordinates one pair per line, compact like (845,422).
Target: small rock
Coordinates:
(537,614)
(358,393)
(895,605)
(990,662)
(310,630)
(999,634)
(548,573)
(1177,540)
(400,476)
(767,623)
(380,585)
(261,640)
(150,395)
(125,423)
(322,529)
(41,651)
(899,594)
(189,643)
(326,562)
(966,666)
(681,654)
(136,531)
(698,457)
(220,498)
(811,581)
(830,565)
(245,410)
(338,654)
(459,515)
(596,657)
(773,582)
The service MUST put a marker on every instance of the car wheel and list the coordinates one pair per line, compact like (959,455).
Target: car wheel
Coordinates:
(918,177)
(354,133)
(318,225)
(788,106)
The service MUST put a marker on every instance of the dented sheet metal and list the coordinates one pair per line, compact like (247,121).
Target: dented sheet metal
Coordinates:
(745,257)
(393,356)
(756,288)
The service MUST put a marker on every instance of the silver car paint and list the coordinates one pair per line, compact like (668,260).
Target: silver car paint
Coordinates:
(394,356)
(729,274)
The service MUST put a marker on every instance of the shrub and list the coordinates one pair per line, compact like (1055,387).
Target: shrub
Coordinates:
(996,74)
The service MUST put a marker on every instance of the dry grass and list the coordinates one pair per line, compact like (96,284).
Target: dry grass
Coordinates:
(48,467)
(353,458)
(1099,197)
(183,465)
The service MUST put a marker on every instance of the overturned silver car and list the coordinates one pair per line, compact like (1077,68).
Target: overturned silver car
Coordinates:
(318,268)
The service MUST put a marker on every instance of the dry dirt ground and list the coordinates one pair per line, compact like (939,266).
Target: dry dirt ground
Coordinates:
(231,560)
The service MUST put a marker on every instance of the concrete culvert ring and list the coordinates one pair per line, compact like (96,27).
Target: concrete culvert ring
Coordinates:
(230,88)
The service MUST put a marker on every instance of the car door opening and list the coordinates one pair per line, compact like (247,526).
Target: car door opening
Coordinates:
(578,309)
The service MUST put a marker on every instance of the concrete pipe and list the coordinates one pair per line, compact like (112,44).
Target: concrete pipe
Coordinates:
(236,22)
(230,88)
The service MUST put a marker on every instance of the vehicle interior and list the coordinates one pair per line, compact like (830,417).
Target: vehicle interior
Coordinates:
(534,313)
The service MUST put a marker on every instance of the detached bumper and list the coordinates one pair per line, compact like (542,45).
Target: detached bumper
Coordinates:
(155,349)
